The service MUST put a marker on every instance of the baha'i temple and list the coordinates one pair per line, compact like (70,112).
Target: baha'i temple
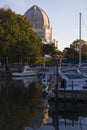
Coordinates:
(41,24)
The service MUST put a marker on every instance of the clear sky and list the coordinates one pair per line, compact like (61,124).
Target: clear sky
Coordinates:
(63,16)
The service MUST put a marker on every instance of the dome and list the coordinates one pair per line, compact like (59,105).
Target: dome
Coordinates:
(37,17)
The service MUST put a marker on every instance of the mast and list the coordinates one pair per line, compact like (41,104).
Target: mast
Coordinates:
(80,44)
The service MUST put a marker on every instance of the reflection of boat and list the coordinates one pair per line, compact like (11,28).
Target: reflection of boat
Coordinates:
(69,115)
(27,71)
(26,80)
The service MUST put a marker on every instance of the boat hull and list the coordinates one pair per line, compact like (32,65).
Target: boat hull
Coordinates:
(16,74)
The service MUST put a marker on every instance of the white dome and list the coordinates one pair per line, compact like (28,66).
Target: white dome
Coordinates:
(37,17)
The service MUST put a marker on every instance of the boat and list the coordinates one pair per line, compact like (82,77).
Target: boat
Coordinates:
(75,81)
(72,84)
(27,71)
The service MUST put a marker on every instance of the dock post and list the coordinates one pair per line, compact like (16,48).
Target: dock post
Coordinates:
(72,92)
(64,92)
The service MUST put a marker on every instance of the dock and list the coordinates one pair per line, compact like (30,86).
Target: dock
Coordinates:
(72,95)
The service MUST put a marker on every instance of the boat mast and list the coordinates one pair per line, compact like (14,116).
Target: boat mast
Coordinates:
(80,44)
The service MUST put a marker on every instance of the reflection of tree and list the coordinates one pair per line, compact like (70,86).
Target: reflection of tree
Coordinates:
(18,106)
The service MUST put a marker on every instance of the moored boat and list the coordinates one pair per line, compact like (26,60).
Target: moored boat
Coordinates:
(27,71)
(73,85)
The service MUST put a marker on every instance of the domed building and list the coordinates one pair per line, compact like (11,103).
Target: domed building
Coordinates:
(40,22)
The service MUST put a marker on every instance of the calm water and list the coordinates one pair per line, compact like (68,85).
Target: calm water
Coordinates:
(23,107)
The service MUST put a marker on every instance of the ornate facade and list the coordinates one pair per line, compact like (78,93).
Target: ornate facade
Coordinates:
(40,22)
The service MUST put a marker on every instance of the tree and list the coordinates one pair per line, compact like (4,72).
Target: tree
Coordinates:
(48,49)
(17,38)
(72,52)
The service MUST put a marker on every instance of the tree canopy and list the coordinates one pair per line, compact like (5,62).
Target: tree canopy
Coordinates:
(72,52)
(18,41)
(48,49)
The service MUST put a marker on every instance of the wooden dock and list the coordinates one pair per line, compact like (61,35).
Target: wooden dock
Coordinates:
(68,95)
(72,94)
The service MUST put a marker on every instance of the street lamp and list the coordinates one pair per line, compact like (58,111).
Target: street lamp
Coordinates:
(45,56)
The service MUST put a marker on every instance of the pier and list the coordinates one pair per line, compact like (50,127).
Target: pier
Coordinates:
(72,95)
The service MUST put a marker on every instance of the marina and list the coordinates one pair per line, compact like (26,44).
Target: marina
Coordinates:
(43,71)
(30,110)
(70,85)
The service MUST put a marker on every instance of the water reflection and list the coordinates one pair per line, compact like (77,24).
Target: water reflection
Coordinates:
(26,80)
(24,108)
(69,115)
(18,105)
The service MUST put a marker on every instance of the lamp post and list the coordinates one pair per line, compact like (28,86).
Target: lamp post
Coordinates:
(44,58)
(44,62)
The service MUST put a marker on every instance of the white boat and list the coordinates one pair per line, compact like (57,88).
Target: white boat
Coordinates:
(27,71)
(73,81)
(72,86)
(72,78)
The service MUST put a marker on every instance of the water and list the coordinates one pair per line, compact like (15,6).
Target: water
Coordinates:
(23,107)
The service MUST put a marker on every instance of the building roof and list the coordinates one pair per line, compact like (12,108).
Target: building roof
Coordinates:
(37,17)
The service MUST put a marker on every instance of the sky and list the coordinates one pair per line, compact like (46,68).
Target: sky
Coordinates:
(63,15)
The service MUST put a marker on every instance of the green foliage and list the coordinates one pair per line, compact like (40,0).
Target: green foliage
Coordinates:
(72,52)
(48,49)
(17,38)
